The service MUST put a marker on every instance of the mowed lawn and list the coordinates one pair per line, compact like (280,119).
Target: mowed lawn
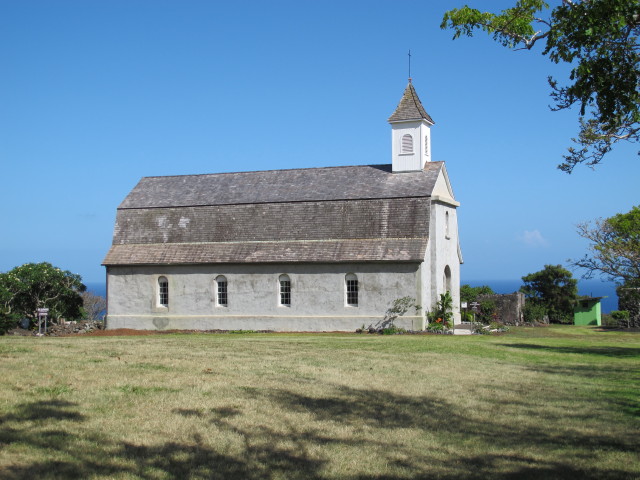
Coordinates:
(543,403)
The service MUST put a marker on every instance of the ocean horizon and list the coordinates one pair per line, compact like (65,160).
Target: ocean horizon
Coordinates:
(592,288)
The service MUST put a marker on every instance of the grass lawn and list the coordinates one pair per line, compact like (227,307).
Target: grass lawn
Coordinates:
(558,402)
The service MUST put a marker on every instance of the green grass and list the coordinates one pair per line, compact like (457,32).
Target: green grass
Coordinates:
(559,402)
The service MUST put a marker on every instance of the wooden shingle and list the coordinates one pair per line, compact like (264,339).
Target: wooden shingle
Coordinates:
(338,214)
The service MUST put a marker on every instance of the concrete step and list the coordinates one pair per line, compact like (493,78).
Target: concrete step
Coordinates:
(463,329)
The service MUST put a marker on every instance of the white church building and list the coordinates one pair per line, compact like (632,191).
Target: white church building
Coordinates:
(313,249)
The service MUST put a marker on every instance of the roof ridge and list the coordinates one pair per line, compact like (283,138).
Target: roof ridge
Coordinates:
(340,199)
(266,171)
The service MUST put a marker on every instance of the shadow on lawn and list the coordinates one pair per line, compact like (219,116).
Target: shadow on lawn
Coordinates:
(298,452)
(619,352)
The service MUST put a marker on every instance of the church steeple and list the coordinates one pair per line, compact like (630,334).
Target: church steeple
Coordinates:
(410,133)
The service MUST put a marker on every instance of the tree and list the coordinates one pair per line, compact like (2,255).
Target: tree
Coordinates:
(599,39)
(399,307)
(486,309)
(8,320)
(470,294)
(615,248)
(555,289)
(444,309)
(41,285)
(93,305)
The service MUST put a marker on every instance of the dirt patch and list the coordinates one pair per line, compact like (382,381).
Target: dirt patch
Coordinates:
(130,332)
(120,332)
(83,327)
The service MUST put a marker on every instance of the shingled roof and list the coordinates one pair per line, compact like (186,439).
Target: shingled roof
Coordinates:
(337,214)
(275,186)
(410,107)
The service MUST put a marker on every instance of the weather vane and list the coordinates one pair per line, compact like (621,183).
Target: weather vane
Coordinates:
(409,65)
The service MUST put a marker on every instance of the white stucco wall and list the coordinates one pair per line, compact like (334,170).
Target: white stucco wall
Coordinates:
(443,251)
(318,297)
(419,130)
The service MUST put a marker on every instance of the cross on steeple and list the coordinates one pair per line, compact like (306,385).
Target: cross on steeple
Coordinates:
(409,65)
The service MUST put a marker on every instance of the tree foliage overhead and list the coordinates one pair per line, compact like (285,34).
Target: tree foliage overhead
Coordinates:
(553,288)
(41,285)
(615,248)
(599,39)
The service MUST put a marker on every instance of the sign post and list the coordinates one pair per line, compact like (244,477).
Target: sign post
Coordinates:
(474,309)
(43,313)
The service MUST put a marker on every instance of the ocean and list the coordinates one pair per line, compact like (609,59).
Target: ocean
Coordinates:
(593,288)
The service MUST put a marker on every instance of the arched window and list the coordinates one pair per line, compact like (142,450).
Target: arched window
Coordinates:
(163,292)
(351,285)
(447,279)
(407,144)
(285,290)
(426,145)
(222,299)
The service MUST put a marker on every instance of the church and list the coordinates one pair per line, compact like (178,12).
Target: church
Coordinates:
(312,249)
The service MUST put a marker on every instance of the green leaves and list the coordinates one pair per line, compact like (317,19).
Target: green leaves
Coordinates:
(511,28)
(599,38)
(555,289)
(41,285)
(614,249)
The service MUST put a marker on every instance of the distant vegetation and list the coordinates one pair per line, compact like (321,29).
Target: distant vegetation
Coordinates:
(33,286)
(552,292)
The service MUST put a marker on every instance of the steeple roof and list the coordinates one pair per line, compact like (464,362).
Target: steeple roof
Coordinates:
(410,107)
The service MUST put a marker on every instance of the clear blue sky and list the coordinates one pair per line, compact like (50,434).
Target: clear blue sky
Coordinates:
(95,95)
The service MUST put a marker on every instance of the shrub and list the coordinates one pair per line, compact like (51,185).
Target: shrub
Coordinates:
(487,311)
(435,327)
(438,327)
(443,312)
(7,322)
(500,327)
(534,312)
(466,316)
(480,328)
(620,318)
(392,330)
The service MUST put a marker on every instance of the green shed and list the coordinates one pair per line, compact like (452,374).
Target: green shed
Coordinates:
(588,311)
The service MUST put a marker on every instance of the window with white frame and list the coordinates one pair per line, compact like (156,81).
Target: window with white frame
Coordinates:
(285,290)
(163,292)
(407,144)
(426,146)
(222,298)
(351,285)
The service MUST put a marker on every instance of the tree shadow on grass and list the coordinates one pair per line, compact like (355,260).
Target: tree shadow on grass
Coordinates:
(622,392)
(616,352)
(261,458)
(383,409)
(45,410)
(296,451)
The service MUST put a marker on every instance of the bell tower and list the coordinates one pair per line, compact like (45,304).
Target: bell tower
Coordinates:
(410,133)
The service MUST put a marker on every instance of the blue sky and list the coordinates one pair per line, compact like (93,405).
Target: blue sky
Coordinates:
(95,95)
